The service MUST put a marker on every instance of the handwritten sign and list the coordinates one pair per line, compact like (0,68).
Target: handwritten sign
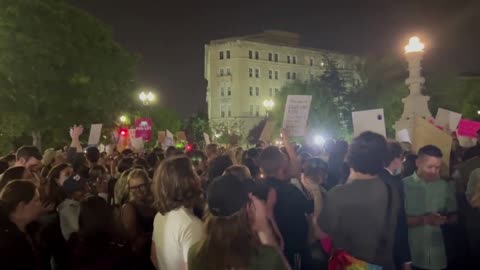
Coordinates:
(181,136)
(425,133)
(403,136)
(295,118)
(143,128)
(206,137)
(369,120)
(447,119)
(95,132)
(161,137)
(468,128)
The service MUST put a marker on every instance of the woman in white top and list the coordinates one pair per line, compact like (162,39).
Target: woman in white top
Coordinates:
(177,191)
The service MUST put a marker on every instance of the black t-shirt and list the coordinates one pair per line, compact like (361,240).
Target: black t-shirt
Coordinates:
(16,252)
(290,214)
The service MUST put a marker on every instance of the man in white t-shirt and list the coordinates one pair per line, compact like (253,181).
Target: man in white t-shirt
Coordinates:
(175,229)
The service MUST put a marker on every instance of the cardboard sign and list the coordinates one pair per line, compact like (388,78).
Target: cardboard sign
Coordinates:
(295,118)
(137,144)
(447,119)
(267,131)
(403,136)
(468,128)
(161,137)
(132,134)
(95,133)
(181,136)
(169,134)
(206,137)
(370,120)
(425,133)
(143,128)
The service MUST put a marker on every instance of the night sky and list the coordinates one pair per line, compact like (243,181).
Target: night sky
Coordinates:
(170,39)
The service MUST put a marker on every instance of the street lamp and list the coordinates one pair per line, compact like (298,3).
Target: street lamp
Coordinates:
(268,104)
(123,119)
(146,98)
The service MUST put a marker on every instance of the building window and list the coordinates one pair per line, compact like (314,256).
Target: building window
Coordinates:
(294,75)
(221,72)
(270,92)
(229,91)
(275,57)
(257,73)
(257,110)
(276,91)
(227,54)
(294,59)
(251,91)
(250,55)
(256,55)
(270,56)
(311,61)
(251,110)
(229,110)
(288,76)
(257,91)
(270,74)
(276,75)
(222,91)
(288,59)
(221,55)
(222,111)
(227,72)
(250,72)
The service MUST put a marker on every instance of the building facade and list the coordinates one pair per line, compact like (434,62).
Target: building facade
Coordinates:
(243,72)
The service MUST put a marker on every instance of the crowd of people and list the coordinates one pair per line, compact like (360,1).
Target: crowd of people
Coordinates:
(267,207)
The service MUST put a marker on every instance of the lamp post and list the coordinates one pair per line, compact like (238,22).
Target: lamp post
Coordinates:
(415,104)
(146,98)
(123,119)
(268,104)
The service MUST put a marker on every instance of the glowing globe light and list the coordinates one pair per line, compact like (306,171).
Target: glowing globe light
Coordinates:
(414,45)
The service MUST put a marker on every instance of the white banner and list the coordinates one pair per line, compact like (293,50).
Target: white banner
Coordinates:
(370,120)
(95,133)
(295,118)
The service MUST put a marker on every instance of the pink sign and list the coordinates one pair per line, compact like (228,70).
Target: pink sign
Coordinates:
(143,128)
(468,128)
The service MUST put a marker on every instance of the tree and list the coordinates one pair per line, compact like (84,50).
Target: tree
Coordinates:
(194,127)
(60,66)
(230,131)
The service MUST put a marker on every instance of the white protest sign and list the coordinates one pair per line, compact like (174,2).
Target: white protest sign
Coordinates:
(206,137)
(370,120)
(446,118)
(169,134)
(137,144)
(131,134)
(95,132)
(295,118)
(403,136)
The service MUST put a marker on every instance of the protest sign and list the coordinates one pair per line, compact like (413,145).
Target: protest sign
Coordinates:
(181,136)
(137,144)
(370,120)
(425,133)
(447,119)
(95,132)
(161,137)
(403,136)
(295,118)
(206,137)
(267,131)
(143,128)
(468,128)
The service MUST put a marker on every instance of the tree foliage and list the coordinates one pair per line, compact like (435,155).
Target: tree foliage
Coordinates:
(231,131)
(60,66)
(194,127)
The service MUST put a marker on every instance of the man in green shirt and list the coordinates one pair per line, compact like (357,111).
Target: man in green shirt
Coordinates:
(429,203)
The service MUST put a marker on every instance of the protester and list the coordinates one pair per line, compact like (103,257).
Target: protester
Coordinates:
(211,151)
(429,203)
(13,173)
(98,182)
(28,157)
(391,175)
(137,217)
(409,165)
(47,161)
(337,168)
(10,159)
(97,245)
(177,191)
(217,166)
(473,151)
(19,206)
(237,229)
(472,228)
(3,166)
(291,204)
(75,188)
(360,216)
(199,161)
(57,176)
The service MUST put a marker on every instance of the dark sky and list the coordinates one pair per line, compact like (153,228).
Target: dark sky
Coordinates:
(170,37)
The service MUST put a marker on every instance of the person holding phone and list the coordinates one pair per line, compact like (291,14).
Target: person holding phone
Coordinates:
(429,203)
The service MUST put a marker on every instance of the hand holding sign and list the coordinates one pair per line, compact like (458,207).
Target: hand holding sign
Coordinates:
(76,131)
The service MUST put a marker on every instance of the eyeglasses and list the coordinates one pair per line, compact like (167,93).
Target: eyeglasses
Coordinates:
(139,187)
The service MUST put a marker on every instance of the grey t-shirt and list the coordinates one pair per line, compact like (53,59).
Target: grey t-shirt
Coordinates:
(354,216)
